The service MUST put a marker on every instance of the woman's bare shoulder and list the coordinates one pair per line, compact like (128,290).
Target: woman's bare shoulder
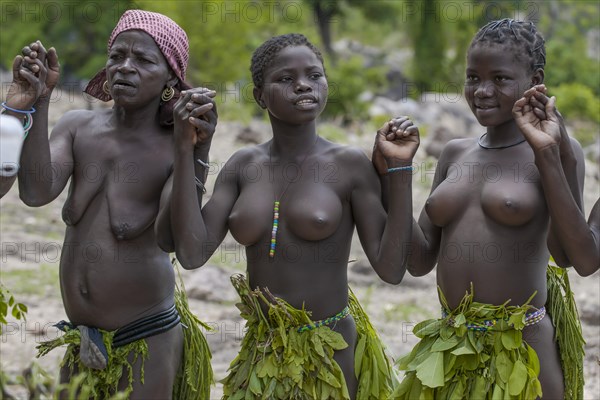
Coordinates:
(346,153)
(249,154)
(82,116)
(459,144)
(455,147)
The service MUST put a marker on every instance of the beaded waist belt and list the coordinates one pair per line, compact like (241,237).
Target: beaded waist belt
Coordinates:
(530,319)
(327,321)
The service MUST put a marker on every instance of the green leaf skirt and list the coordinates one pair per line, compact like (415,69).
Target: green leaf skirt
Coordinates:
(277,360)
(193,380)
(454,362)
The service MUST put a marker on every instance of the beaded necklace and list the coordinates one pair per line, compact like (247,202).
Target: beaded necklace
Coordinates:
(499,147)
(277,201)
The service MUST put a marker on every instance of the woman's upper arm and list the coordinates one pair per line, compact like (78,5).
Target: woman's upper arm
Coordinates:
(594,224)
(47,164)
(61,151)
(217,210)
(427,236)
(573,165)
(580,169)
(367,208)
(162,227)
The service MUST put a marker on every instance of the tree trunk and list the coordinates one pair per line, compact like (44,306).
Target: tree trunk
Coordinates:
(323,13)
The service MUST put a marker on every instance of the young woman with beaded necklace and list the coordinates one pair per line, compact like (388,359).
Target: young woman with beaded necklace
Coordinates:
(296,217)
(485,225)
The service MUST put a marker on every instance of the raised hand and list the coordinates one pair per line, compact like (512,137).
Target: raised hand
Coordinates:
(396,143)
(538,98)
(35,74)
(377,157)
(47,61)
(538,101)
(540,129)
(195,116)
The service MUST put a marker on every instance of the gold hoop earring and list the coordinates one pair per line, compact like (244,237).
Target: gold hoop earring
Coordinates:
(167,94)
(105,87)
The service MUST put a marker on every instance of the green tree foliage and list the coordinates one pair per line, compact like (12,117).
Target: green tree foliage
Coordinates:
(441,32)
(347,81)
(78,30)
(566,26)
(224,33)
(577,100)
(327,12)
(429,44)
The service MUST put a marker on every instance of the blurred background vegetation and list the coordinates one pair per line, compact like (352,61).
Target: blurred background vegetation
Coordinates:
(429,38)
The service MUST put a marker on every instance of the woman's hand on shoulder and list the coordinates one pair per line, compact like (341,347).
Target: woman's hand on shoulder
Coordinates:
(396,143)
(35,74)
(195,116)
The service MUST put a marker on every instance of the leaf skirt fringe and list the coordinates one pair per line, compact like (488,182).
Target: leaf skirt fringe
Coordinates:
(278,362)
(454,362)
(562,308)
(94,383)
(194,377)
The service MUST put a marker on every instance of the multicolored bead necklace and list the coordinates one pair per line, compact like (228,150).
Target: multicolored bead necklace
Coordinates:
(277,201)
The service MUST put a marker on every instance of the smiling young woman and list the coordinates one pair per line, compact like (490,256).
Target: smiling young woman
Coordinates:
(489,235)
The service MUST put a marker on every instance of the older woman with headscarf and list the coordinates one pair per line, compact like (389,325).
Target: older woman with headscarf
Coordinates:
(129,326)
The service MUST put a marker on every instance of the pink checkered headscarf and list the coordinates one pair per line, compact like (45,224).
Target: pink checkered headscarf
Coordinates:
(169,37)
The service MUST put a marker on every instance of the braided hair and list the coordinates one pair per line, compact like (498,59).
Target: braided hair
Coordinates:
(264,55)
(520,35)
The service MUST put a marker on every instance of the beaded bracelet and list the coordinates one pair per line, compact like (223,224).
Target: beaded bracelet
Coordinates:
(405,168)
(17,111)
(26,125)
